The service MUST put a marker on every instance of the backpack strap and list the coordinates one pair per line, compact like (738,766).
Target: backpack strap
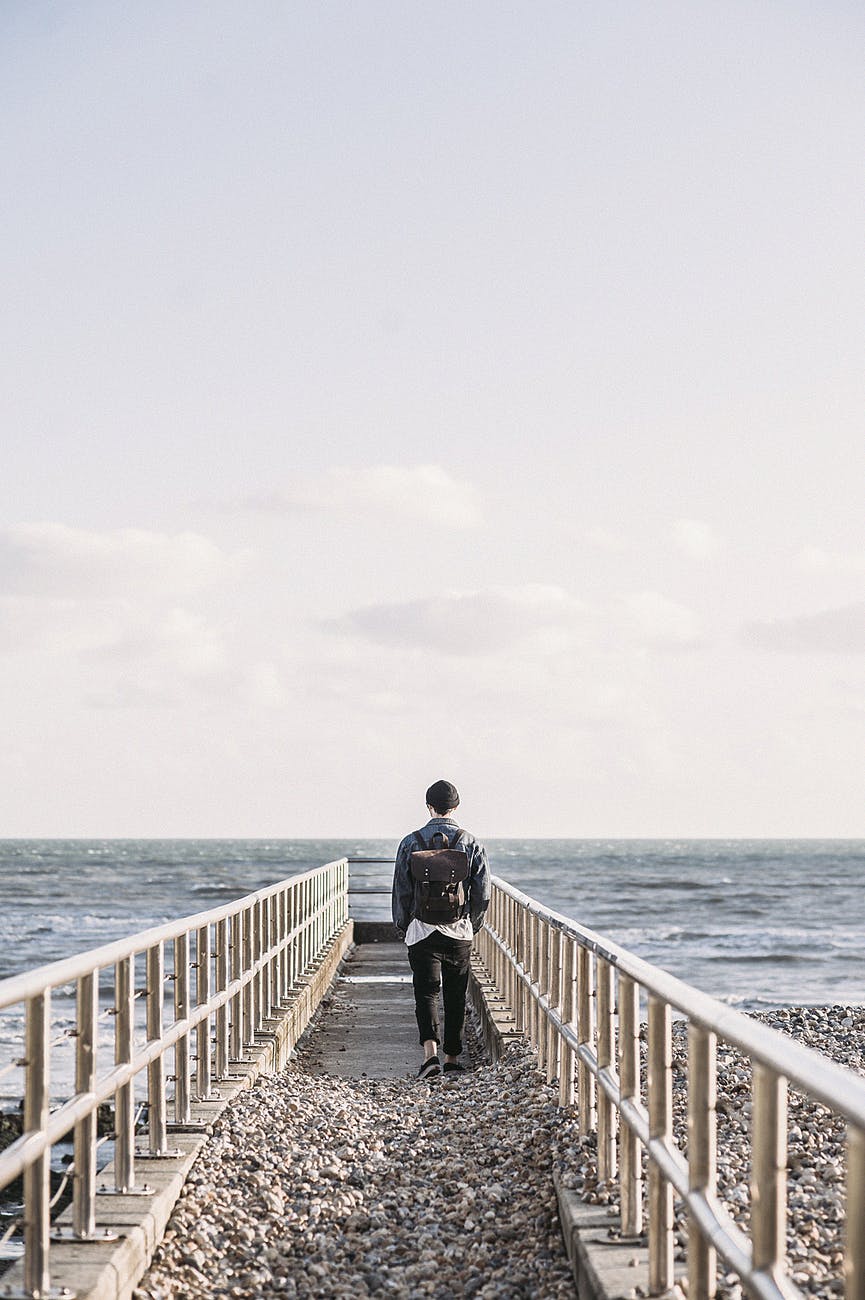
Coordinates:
(423,846)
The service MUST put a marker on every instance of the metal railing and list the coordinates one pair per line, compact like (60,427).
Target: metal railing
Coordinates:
(368,885)
(576,995)
(251,960)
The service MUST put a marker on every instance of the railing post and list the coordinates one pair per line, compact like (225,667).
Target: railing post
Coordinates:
(300,942)
(202,997)
(124,1098)
(285,924)
(84,1141)
(543,992)
(275,994)
(37,1175)
(222,1053)
(238,1001)
(257,982)
(702,1153)
(505,954)
(525,940)
(508,924)
(586,1036)
(660,1092)
(631,1177)
(526,981)
(307,924)
(768,1168)
(606,1057)
(262,929)
(519,930)
(534,980)
(490,952)
(854,1252)
(554,984)
(249,1018)
(182,1112)
(569,1016)
(282,958)
(310,922)
(343,914)
(292,947)
(302,915)
(343,885)
(157,1119)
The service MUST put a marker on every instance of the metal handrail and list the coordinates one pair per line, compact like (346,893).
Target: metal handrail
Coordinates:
(251,961)
(576,995)
(382,890)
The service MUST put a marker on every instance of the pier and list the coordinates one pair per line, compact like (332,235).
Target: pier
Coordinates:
(184,1028)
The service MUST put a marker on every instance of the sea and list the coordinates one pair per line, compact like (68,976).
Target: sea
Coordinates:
(756,923)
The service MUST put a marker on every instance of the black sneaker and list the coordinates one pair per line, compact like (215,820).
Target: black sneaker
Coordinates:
(430,1069)
(454,1067)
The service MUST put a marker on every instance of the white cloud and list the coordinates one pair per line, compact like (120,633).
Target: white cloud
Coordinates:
(466,623)
(553,623)
(813,559)
(830,631)
(53,560)
(696,539)
(157,662)
(102,616)
(657,622)
(421,491)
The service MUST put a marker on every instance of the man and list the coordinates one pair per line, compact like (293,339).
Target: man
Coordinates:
(439,954)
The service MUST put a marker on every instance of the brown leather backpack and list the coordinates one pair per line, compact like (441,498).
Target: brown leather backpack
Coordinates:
(439,871)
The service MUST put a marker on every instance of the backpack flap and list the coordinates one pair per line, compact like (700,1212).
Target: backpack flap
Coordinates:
(440,865)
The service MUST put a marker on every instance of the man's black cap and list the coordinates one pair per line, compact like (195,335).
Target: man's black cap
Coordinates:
(442,796)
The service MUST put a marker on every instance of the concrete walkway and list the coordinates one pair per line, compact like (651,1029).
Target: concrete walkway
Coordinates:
(367,1026)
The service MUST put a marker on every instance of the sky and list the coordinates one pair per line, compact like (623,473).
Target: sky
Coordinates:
(392,391)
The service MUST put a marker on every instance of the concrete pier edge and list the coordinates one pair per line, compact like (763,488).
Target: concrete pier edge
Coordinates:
(111,1270)
(604,1267)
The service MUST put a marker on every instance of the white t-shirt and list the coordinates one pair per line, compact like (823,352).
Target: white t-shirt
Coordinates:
(417,930)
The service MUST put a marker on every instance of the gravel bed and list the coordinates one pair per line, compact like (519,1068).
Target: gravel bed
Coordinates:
(316,1186)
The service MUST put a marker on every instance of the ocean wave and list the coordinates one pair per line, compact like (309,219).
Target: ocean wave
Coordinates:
(709,909)
(213,889)
(768,958)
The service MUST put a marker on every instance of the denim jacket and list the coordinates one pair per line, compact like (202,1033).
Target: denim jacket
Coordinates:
(477,885)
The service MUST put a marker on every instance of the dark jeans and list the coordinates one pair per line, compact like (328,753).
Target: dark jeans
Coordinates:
(440,964)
